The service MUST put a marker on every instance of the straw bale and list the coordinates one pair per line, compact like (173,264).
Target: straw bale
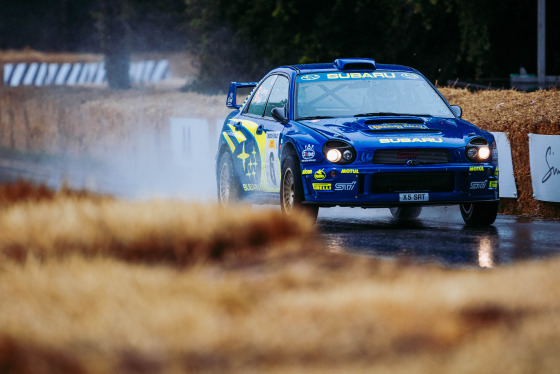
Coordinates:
(46,225)
(517,114)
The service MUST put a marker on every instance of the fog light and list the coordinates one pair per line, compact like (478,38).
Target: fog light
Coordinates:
(483,153)
(334,155)
(333,173)
(471,153)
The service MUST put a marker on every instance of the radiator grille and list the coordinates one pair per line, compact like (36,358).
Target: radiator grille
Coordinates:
(400,156)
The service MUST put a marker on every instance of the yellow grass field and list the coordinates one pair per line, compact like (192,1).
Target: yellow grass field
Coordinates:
(90,284)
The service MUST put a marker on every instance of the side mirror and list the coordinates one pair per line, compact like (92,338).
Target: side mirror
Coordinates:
(279,114)
(457,110)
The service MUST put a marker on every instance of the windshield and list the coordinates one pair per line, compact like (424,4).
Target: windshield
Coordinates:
(364,94)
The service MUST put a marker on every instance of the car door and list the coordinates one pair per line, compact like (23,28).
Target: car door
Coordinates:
(250,138)
(258,136)
(273,129)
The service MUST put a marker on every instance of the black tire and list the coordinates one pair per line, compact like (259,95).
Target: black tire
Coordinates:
(229,189)
(291,189)
(479,214)
(406,212)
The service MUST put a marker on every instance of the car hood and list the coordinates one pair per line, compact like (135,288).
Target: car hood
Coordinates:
(402,131)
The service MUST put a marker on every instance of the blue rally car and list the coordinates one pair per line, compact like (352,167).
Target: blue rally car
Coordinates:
(354,133)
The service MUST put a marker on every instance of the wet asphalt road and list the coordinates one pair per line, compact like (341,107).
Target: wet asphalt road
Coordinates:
(439,236)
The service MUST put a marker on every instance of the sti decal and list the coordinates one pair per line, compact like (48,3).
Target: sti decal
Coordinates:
(344,186)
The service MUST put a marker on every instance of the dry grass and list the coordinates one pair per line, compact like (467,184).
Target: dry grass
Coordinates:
(30,192)
(102,286)
(44,224)
(319,314)
(517,114)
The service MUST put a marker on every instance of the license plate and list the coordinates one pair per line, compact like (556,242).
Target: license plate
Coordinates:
(413,197)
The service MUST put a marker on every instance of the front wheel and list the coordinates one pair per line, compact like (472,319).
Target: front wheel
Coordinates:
(406,212)
(479,214)
(291,189)
(229,190)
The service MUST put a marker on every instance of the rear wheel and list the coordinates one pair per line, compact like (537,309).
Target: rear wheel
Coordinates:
(406,212)
(291,189)
(479,214)
(229,190)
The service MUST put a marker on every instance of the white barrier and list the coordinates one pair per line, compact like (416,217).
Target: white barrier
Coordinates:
(193,140)
(506,177)
(544,159)
(44,74)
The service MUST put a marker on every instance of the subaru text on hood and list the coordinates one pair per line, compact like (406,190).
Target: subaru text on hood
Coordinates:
(354,133)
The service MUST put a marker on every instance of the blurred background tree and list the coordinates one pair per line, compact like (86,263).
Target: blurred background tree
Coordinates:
(114,30)
(473,40)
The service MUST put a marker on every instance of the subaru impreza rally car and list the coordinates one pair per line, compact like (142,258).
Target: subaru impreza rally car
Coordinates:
(354,133)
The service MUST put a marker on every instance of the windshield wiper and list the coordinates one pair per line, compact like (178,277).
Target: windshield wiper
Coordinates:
(313,117)
(376,114)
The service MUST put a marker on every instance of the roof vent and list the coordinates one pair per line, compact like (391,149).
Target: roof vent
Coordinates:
(355,64)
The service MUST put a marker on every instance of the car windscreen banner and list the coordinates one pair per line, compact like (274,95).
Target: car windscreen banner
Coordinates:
(544,157)
(339,76)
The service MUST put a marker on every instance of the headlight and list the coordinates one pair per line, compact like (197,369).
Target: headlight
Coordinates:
(334,155)
(339,152)
(478,150)
(483,153)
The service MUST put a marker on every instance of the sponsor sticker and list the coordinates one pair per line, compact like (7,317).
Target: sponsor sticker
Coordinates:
(338,76)
(322,186)
(320,175)
(407,155)
(397,126)
(250,187)
(478,185)
(306,172)
(493,184)
(476,168)
(350,171)
(308,154)
(310,77)
(272,163)
(344,186)
(411,140)
(360,75)
(409,76)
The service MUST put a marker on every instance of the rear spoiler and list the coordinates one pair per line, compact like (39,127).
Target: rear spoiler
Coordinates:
(231,101)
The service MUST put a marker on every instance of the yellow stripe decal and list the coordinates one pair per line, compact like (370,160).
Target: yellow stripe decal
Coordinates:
(238,135)
(230,143)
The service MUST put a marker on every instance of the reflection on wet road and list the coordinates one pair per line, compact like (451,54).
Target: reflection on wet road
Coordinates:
(439,236)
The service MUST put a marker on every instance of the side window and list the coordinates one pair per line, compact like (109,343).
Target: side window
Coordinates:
(258,102)
(278,96)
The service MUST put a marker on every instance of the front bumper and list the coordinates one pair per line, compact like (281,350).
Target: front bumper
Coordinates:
(384,185)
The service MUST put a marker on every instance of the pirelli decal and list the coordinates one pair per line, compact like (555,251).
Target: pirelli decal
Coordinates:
(322,186)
